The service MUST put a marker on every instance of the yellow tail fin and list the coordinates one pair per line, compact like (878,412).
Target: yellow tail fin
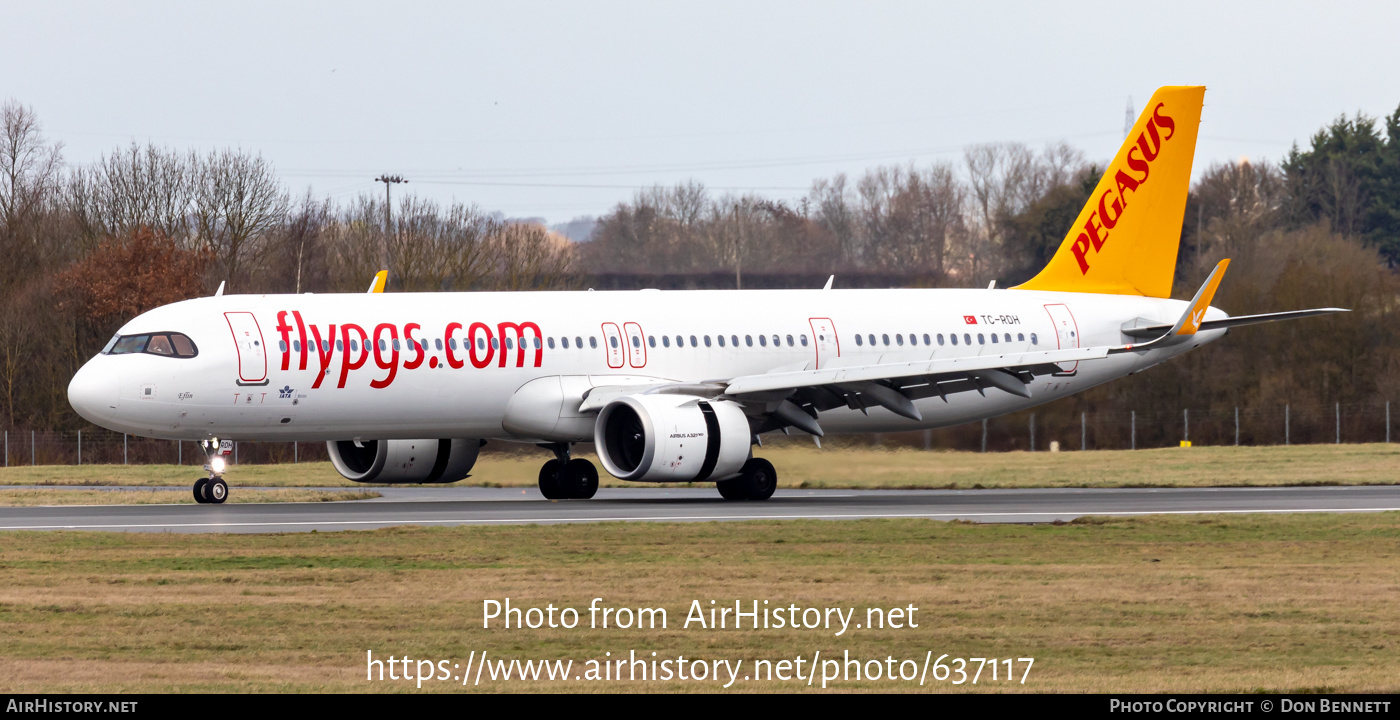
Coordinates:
(1124,241)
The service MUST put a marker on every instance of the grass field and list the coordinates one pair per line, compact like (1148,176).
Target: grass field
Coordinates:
(1302,603)
(802,466)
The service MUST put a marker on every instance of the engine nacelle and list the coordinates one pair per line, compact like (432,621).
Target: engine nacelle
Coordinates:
(404,461)
(671,438)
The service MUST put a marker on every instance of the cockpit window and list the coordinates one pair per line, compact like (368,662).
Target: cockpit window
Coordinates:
(166,344)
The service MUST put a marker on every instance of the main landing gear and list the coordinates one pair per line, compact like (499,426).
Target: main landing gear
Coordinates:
(756,481)
(564,478)
(212,490)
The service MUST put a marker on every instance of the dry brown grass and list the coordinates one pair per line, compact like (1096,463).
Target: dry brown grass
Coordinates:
(1181,604)
(800,465)
(23,497)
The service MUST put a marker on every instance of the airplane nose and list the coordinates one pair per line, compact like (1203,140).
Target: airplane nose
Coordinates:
(93,393)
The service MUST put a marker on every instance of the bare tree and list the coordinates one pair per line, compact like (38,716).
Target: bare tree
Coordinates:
(138,187)
(238,203)
(30,167)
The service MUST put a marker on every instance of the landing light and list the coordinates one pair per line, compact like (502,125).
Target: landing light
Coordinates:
(217,465)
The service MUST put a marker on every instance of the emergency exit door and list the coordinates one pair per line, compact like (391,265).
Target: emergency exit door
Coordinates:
(1066,331)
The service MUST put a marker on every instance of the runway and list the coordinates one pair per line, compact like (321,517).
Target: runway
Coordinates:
(505,506)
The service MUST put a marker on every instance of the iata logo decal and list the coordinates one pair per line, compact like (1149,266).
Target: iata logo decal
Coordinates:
(285,392)
(970,319)
(355,345)
(1114,201)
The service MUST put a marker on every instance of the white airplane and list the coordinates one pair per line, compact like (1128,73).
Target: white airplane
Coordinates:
(672,386)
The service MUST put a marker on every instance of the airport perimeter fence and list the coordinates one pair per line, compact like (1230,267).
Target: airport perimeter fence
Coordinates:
(1032,430)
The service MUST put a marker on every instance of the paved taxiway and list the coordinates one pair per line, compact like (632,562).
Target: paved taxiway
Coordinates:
(497,506)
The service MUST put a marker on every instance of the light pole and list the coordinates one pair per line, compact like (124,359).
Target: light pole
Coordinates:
(388,180)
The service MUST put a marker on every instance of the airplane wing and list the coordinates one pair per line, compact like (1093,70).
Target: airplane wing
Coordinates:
(1152,331)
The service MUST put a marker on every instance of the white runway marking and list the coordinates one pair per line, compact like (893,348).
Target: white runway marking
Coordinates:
(674,518)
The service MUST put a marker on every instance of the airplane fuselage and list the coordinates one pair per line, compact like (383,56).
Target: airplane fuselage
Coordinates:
(414,365)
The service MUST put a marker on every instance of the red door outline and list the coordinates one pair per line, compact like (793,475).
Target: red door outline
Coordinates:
(636,344)
(248,343)
(820,327)
(612,344)
(1064,323)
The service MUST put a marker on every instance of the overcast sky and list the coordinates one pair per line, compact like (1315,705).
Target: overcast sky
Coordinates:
(560,109)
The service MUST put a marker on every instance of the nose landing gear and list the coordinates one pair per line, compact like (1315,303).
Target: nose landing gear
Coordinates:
(212,490)
(567,479)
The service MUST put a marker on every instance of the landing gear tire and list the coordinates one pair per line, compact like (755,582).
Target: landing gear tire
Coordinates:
(579,479)
(549,480)
(216,491)
(757,480)
(199,486)
(731,489)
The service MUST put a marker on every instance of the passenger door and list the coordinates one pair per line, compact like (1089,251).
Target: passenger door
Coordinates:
(252,355)
(1066,331)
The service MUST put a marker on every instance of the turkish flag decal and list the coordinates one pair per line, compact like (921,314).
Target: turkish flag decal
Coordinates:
(970,319)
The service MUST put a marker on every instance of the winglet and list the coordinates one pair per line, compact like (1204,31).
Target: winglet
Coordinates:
(377,286)
(1190,322)
(829,281)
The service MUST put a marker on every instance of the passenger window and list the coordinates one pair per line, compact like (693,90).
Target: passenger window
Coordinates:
(693,343)
(636,341)
(981,340)
(926,342)
(495,344)
(564,342)
(913,339)
(578,342)
(666,340)
(437,343)
(340,345)
(281,346)
(296,345)
(859,341)
(898,339)
(886,338)
(953,337)
(612,341)
(551,343)
(1034,339)
(748,340)
(734,340)
(652,341)
(803,338)
(707,341)
(680,341)
(720,339)
(510,343)
(536,342)
(1020,337)
(994,338)
(967,339)
(592,342)
(763,340)
(481,343)
(871,337)
(789,340)
(940,338)
(396,343)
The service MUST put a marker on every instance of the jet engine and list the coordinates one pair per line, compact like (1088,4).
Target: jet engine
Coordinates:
(404,461)
(672,438)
